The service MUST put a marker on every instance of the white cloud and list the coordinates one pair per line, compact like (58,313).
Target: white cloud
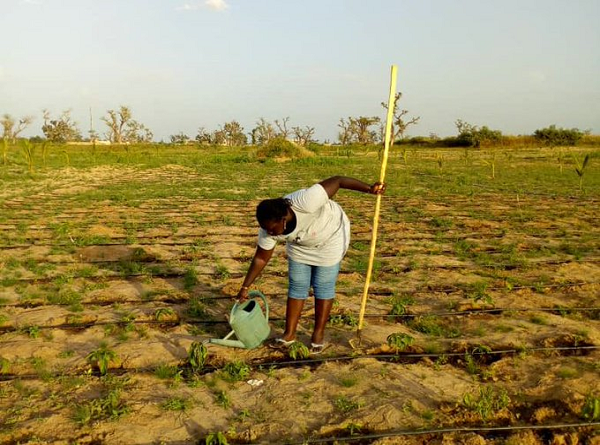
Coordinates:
(31,2)
(215,5)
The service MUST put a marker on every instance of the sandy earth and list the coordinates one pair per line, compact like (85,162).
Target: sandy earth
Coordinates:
(75,275)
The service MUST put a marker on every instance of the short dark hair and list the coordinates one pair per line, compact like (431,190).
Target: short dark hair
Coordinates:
(271,209)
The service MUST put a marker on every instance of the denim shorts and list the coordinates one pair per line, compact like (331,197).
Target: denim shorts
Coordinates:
(303,276)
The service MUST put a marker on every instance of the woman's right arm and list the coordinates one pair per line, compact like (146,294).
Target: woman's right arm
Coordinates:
(259,261)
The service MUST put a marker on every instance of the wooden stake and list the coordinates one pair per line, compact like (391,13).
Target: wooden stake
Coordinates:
(388,137)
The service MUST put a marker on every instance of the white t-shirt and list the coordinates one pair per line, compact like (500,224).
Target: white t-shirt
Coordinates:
(322,233)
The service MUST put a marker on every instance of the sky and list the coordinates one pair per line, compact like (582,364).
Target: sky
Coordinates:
(513,65)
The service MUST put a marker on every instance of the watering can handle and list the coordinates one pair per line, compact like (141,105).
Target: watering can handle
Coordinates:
(253,294)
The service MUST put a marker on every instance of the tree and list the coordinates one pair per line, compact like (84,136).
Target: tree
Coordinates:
(61,129)
(284,132)
(346,131)
(234,134)
(399,124)
(180,138)
(473,136)
(303,136)
(124,129)
(12,129)
(263,132)
(204,137)
(362,132)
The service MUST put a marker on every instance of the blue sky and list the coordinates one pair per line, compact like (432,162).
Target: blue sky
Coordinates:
(513,65)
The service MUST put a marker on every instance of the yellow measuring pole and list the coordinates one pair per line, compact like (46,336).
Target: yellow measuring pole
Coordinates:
(388,137)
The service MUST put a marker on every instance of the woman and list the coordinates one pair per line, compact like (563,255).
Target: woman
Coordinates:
(317,233)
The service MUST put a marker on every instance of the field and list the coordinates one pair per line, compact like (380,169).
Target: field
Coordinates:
(482,324)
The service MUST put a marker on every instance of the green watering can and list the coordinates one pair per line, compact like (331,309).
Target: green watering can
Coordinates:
(248,322)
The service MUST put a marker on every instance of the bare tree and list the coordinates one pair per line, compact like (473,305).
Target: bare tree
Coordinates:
(399,124)
(263,132)
(11,128)
(123,128)
(303,136)
(346,131)
(204,137)
(284,132)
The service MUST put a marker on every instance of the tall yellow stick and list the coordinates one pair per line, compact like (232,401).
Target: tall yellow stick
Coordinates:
(388,137)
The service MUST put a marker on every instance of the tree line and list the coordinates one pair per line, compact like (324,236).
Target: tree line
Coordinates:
(122,128)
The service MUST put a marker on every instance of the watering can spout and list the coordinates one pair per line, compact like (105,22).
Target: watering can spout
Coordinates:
(249,324)
(230,343)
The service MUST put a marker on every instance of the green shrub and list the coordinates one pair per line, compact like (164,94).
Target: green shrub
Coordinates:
(553,136)
(473,136)
(281,148)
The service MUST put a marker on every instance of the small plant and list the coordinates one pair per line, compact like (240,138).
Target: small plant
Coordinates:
(176,404)
(346,405)
(28,149)
(591,408)
(196,308)
(580,168)
(223,399)
(221,272)
(217,438)
(4,365)
(353,428)
(190,279)
(399,305)
(166,371)
(101,358)
(487,403)
(400,341)
(197,356)
(164,313)
(236,371)
(298,351)
(109,407)
(343,319)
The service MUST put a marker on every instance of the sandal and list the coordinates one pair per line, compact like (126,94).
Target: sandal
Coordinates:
(280,343)
(316,348)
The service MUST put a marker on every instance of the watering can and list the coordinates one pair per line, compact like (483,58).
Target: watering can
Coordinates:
(248,322)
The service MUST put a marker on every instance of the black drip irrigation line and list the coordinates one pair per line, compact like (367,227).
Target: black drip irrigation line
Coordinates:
(416,356)
(178,322)
(437,431)
(313,362)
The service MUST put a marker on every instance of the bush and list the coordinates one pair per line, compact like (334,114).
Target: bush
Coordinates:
(281,148)
(473,136)
(558,136)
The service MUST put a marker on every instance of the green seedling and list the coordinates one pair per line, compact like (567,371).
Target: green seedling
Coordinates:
(298,351)
(176,404)
(101,358)
(197,356)
(236,371)
(109,407)
(164,313)
(346,405)
(591,408)
(487,403)
(580,168)
(217,438)
(400,341)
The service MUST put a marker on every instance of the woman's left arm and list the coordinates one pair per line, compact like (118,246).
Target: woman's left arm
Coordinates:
(333,184)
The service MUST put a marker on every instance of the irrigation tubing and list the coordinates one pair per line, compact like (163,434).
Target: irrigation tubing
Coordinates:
(261,364)
(177,322)
(437,431)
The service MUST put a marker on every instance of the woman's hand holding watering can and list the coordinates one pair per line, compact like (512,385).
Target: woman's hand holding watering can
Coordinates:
(242,295)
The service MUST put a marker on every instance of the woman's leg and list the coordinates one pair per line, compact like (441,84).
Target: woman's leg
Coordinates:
(323,280)
(298,287)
